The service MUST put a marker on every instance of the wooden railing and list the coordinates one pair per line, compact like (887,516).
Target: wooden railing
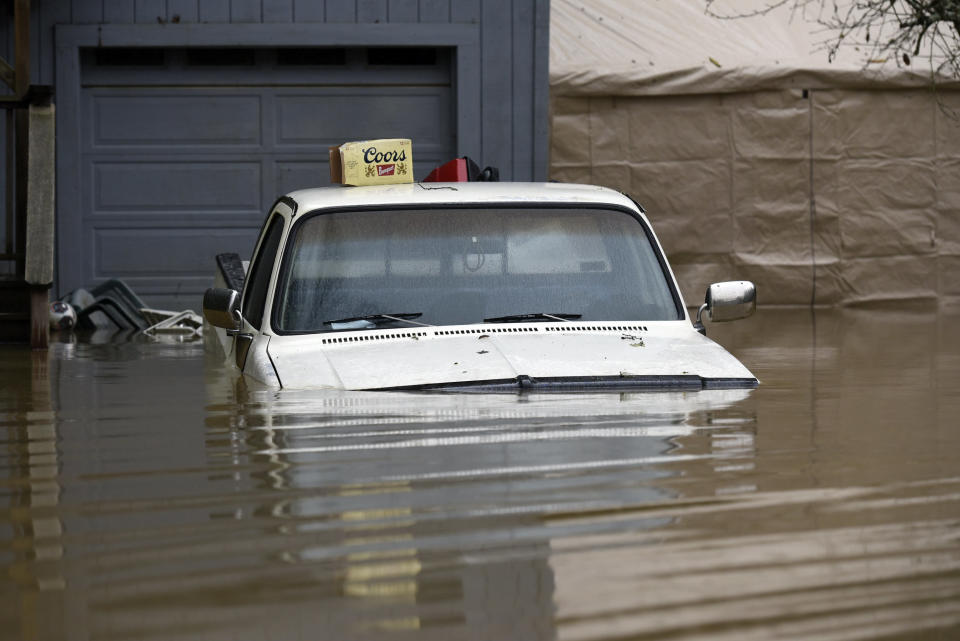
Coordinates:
(28,229)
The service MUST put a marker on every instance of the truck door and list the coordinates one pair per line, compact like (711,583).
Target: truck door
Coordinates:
(255,292)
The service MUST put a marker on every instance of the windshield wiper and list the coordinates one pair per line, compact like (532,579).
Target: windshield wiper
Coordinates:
(375,318)
(539,316)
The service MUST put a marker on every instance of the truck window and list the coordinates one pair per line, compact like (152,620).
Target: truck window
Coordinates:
(255,293)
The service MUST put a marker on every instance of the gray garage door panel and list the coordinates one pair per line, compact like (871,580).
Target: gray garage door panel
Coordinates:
(295,174)
(176,119)
(177,170)
(146,252)
(323,118)
(150,259)
(145,188)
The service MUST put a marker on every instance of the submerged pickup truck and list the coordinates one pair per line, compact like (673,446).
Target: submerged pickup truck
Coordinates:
(470,287)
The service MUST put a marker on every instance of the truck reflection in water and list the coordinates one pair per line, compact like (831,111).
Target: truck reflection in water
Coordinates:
(436,512)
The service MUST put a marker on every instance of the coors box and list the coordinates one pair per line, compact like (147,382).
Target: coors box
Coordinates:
(372,162)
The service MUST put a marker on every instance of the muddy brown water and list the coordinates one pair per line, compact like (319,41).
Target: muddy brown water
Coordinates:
(147,495)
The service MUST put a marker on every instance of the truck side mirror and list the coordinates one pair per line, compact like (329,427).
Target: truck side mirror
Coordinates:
(220,307)
(727,301)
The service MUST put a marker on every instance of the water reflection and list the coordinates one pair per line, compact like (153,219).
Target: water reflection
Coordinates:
(33,548)
(840,520)
(147,493)
(425,512)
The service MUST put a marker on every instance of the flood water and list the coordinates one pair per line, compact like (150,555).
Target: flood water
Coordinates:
(144,494)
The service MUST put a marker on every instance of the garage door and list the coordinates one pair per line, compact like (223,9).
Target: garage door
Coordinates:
(182,151)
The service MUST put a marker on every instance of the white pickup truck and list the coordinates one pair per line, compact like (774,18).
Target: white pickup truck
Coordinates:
(470,287)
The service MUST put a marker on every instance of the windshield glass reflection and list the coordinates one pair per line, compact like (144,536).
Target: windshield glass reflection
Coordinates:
(356,270)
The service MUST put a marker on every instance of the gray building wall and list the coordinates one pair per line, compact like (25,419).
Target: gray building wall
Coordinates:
(499,71)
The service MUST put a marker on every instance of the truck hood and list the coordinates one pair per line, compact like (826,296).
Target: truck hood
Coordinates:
(508,357)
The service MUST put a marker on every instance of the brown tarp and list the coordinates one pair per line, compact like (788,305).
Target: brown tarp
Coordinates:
(822,186)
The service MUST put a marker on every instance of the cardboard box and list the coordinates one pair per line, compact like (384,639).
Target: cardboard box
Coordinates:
(372,162)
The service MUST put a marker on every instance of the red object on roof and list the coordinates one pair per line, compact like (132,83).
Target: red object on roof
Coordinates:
(454,171)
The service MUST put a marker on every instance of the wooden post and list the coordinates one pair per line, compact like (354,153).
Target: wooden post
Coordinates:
(21,63)
(21,132)
(38,246)
(9,205)
(39,317)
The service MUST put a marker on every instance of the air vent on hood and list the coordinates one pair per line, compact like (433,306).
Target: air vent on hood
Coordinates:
(566,328)
(369,336)
(486,330)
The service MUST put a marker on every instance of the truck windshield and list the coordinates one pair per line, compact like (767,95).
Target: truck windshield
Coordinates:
(460,266)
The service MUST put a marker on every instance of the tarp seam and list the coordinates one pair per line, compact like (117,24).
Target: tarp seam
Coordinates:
(813,205)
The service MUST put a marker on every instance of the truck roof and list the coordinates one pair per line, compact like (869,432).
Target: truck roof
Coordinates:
(457,194)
